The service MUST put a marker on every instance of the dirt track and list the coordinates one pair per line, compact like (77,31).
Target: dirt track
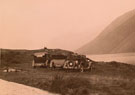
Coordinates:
(10,88)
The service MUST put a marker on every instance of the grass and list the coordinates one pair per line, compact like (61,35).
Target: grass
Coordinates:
(106,78)
(70,85)
(74,83)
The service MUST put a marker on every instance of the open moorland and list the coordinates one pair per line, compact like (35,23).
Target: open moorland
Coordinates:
(106,78)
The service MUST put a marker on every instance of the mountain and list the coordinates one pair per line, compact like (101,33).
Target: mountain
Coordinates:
(118,37)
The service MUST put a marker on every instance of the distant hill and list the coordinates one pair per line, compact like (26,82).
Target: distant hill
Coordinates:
(118,37)
(23,58)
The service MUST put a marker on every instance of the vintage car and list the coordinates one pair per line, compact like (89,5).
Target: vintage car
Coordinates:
(57,61)
(80,62)
(71,61)
(39,59)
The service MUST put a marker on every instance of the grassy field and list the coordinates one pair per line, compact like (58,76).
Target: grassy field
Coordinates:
(106,78)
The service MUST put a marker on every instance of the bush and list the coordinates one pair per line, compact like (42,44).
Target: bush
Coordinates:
(57,83)
(70,85)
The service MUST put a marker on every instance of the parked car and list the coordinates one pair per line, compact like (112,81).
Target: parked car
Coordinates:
(71,61)
(39,60)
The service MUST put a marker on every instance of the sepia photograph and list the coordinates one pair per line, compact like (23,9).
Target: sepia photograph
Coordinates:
(67,47)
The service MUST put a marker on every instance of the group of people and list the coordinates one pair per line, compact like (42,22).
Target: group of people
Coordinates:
(78,62)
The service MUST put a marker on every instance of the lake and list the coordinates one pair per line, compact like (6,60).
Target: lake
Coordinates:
(121,57)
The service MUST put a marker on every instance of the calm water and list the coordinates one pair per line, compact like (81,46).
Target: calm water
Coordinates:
(122,57)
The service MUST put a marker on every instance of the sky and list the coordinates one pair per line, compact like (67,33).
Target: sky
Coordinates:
(65,24)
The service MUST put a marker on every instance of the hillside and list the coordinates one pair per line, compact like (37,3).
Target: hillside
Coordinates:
(118,37)
(105,78)
(23,58)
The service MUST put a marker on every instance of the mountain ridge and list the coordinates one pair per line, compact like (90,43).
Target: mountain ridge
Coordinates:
(120,31)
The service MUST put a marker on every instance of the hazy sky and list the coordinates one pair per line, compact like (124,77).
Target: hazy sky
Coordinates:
(66,24)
